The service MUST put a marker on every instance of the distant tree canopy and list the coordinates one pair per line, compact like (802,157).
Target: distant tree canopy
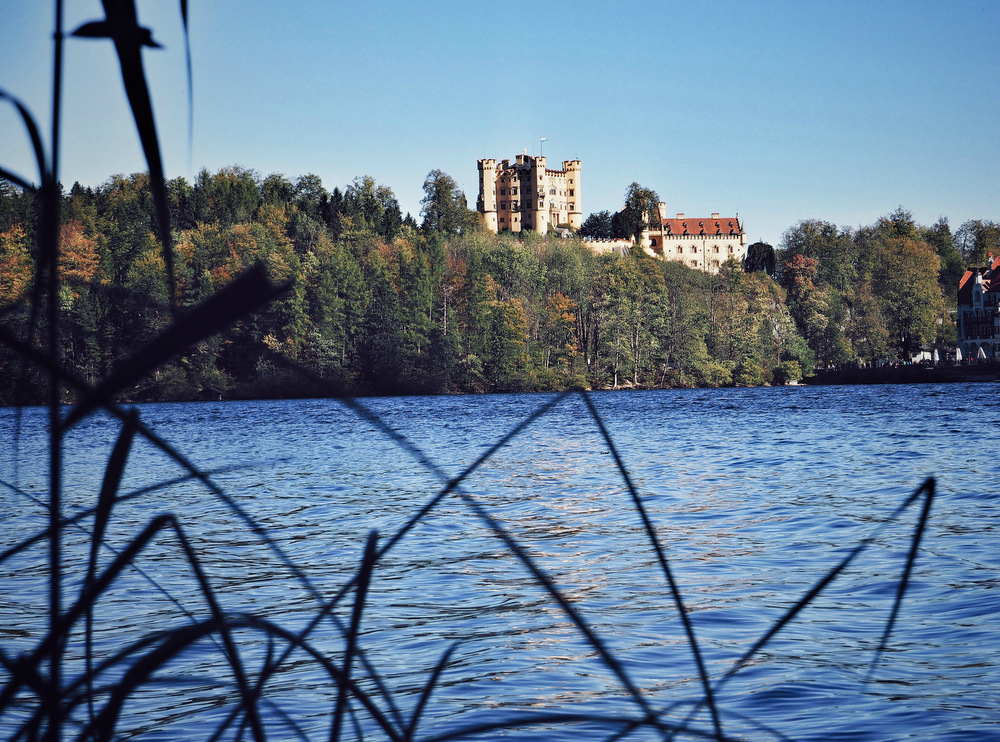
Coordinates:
(976,240)
(869,294)
(597,226)
(642,207)
(444,207)
(760,257)
(378,304)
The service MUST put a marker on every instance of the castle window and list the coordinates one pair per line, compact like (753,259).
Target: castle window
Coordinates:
(572,205)
(571,190)
(552,191)
(513,191)
(730,249)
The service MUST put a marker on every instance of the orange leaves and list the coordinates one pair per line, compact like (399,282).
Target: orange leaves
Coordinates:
(561,310)
(78,258)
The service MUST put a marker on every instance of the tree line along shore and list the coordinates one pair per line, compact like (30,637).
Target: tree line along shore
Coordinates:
(378,303)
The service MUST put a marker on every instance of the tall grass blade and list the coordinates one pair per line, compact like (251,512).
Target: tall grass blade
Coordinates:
(450,484)
(113,473)
(543,580)
(904,580)
(820,585)
(248,694)
(190,76)
(122,27)
(33,135)
(16,180)
(425,694)
(362,582)
(335,673)
(675,592)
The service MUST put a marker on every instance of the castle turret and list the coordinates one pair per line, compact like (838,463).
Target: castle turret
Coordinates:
(573,193)
(538,203)
(525,194)
(486,204)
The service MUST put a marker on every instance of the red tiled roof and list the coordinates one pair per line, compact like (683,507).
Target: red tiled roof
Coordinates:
(991,281)
(965,288)
(702,226)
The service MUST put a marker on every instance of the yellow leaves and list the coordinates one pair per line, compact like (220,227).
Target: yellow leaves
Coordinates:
(274,217)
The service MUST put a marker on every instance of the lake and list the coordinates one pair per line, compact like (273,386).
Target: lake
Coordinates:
(754,494)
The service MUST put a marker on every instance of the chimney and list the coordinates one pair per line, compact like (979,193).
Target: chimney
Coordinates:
(680,214)
(715,214)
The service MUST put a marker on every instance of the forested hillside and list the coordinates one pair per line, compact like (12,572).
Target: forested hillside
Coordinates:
(378,303)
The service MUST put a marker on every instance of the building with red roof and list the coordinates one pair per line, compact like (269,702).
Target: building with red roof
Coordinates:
(978,316)
(704,243)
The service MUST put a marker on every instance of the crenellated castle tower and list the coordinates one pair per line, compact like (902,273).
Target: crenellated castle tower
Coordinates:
(527,195)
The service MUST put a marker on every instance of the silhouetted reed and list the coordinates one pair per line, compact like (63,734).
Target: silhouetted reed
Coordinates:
(51,694)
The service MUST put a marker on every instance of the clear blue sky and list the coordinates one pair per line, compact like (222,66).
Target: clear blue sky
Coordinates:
(780,111)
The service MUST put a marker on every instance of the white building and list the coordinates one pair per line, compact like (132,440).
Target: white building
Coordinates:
(978,318)
(704,243)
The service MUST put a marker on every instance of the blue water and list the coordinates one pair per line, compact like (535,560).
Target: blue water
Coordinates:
(755,495)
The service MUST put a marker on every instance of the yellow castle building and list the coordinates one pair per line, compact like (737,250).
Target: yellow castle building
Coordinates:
(527,195)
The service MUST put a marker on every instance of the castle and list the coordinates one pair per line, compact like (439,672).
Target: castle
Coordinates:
(527,195)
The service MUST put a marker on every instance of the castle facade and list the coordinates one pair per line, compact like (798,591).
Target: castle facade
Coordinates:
(704,243)
(526,195)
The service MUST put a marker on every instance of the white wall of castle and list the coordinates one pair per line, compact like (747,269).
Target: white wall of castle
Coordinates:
(706,253)
(700,248)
